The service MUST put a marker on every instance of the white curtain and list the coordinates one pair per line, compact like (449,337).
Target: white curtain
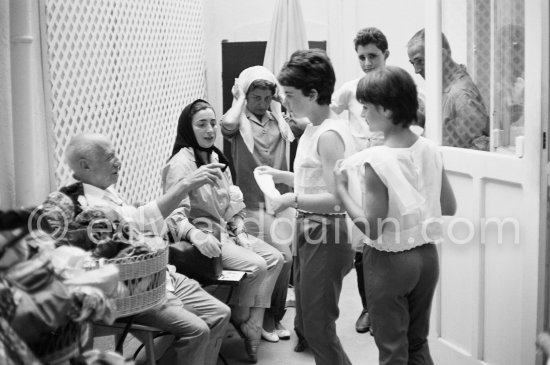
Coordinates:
(288,34)
(24,155)
(7,172)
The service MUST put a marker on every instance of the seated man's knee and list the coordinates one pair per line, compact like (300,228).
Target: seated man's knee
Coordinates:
(275,259)
(260,264)
(224,311)
(201,332)
(280,259)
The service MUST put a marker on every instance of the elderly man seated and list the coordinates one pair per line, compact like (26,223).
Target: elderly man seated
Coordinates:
(196,319)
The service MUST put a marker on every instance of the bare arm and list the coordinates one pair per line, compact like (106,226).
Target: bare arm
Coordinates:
(230,120)
(207,174)
(351,205)
(279,176)
(178,223)
(340,100)
(331,149)
(375,202)
(447,200)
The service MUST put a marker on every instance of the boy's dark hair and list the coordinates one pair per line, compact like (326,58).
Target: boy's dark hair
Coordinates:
(371,35)
(392,88)
(262,85)
(309,70)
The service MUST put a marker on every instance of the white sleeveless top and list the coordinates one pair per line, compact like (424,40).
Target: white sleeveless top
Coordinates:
(413,179)
(308,170)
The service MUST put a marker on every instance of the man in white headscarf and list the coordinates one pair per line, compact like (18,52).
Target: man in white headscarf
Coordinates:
(259,136)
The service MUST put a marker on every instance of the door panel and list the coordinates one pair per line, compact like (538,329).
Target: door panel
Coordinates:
(482,301)
(490,302)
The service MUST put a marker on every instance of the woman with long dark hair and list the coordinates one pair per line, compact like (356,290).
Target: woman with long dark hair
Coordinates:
(211,219)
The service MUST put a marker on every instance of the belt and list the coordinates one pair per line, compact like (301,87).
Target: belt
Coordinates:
(305,213)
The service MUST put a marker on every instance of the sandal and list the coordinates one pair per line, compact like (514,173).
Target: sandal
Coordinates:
(250,345)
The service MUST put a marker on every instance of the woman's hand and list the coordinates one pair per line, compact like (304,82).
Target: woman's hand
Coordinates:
(282,202)
(206,174)
(340,178)
(237,91)
(278,98)
(245,240)
(206,243)
(267,170)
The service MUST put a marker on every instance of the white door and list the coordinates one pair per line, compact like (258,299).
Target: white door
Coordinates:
(490,301)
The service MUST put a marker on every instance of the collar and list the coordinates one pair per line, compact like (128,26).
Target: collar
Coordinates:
(93,193)
(187,153)
(266,118)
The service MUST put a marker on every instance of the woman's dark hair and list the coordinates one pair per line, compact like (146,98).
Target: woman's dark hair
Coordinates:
(309,70)
(185,136)
(262,85)
(392,88)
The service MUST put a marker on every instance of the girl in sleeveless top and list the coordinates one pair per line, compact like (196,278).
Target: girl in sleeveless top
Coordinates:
(323,253)
(405,192)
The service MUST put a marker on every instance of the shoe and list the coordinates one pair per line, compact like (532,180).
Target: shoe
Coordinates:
(301,345)
(251,348)
(290,298)
(281,331)
(270,336)
(363,322)
(251,336)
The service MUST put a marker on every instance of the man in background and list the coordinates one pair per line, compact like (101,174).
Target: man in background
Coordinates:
(372,51)
(465,118)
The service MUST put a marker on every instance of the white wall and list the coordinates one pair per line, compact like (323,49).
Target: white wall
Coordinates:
(247,21)
(335,21)
(398,20)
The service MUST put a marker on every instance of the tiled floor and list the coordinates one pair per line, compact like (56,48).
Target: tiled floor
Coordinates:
(359,347)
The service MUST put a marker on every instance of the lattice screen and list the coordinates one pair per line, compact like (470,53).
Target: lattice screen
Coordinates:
(126,69)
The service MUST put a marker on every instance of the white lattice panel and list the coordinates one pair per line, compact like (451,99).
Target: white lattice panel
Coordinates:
(126,69)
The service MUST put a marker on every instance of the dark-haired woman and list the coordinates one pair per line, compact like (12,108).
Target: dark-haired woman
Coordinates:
(211,219)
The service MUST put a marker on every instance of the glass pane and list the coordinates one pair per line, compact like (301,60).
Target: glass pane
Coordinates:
(483,68)
(509,64)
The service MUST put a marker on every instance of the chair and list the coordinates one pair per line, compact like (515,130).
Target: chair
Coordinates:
(120,328)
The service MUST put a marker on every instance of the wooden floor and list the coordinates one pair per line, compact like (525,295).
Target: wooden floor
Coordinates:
(359,347)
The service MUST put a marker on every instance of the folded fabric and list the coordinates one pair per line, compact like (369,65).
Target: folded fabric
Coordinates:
(13,350)
(90,303)
(43,310)
(69,261)
(16,252)
(284,223)
(386,165)
(105,278)
(58,210)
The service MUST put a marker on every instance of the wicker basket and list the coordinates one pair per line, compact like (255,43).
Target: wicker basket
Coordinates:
(62,344)
(145,278)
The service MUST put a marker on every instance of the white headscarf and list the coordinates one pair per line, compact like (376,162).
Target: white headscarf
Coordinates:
(247,77)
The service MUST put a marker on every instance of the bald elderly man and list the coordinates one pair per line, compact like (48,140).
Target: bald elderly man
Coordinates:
(465,118)
(196,319)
